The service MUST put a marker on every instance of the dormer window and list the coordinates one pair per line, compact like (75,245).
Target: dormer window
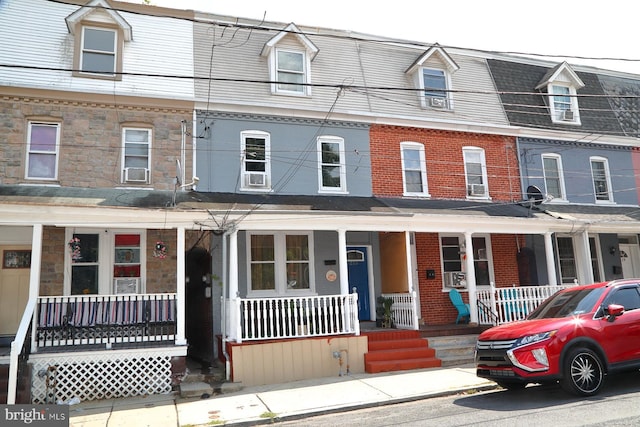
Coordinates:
(431,74)
(561,84)
(435,87)
(100,33)
(290,54)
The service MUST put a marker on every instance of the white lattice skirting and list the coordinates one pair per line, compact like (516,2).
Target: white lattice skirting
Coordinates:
(100,375)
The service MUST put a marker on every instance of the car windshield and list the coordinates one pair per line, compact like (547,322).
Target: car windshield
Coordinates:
(565,304)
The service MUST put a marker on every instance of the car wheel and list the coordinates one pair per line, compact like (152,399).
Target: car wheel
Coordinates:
(511,385)
(582,373)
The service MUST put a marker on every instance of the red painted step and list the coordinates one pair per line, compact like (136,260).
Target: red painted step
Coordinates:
(401,365)
(398,350)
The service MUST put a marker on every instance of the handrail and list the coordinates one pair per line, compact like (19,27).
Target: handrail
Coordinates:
(16,348)
(488,312)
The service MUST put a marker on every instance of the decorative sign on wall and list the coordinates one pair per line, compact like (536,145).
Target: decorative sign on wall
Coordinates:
(16,259)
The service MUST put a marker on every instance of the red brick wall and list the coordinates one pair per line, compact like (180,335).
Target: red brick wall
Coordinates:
(505,262)
(445,167)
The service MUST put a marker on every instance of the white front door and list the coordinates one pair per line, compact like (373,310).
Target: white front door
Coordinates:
(630,258)
(14,287)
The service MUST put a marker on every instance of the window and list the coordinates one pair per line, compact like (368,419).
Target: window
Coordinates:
(595,262)
(290,71)
(332,164)
(104,262)
(564,104)
(136,155)
(566,260)
(601,179)
(280,263)
(42,150)
(475,172)
(256,160)
(98,51)
(414,169)
(629,298)
(553,177)
(481,261)
(435,88)
(452,252)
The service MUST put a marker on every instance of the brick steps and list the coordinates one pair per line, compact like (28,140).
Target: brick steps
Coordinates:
(398,350)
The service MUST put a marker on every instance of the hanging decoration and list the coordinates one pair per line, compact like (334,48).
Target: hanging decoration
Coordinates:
(160,250)
(74,247)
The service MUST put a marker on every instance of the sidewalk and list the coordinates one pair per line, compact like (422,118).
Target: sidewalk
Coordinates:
(260,404)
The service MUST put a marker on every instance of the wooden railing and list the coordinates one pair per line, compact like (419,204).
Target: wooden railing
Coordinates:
(292,317)
(403,310)
(105,319)
(512,303)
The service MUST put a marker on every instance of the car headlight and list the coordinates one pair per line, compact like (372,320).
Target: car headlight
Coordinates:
(530,339)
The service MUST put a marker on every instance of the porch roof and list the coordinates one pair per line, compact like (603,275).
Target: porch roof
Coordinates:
(598,217)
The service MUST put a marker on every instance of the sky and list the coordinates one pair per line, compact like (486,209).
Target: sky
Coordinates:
(570,28)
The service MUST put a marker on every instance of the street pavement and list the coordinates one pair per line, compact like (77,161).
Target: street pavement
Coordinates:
(266,404)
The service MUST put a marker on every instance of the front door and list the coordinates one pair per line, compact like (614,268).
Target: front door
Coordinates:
(358,269)
(14,286)
(630,258)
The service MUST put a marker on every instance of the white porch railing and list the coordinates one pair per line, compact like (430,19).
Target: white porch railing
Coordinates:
(292,317)
(403,310)
(104,319)
(502,305)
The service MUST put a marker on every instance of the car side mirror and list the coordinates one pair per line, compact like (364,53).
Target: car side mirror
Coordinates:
(613,311)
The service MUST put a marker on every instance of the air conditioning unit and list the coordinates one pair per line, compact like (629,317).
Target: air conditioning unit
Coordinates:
(455,279)
(136,175)
(255,179)
(126,285)
(438,102)
(567,115)
(476,190)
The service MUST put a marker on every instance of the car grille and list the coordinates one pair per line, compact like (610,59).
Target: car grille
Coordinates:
(493,353)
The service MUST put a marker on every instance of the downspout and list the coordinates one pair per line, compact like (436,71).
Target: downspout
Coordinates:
(194,142)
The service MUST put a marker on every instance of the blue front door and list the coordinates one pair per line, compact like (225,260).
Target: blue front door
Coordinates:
(358,264)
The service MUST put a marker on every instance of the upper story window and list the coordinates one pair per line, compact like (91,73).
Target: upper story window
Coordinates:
(100,33)
(601,179)
(136,155)
(431,73)
(43,140)
(280,263)
(414,169)
(553,176)
(332,169)
(561,84)
(475,169)
(290,53)
(256,160)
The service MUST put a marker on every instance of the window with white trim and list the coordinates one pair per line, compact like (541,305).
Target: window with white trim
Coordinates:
(435,85)
(102,262)
(280,263)
(596,267)
(414,169)
(566,260)
(553,176)
(99,51)
(601,179)
(43,141)
(256,160)
(136,155)
(332,169)
(291,72)
(475,169)
(564,104)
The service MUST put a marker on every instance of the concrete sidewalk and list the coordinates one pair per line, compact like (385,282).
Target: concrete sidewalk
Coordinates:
(263,404)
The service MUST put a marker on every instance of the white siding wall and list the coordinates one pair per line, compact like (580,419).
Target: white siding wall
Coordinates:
(34,33)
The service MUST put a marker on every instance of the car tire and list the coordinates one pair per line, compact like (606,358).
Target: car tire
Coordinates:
(582,373)
(511,385)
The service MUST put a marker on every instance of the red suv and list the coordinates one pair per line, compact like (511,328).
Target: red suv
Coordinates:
(576,337)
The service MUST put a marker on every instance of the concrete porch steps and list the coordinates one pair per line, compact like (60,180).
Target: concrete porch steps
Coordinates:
(398,350)
(454,349)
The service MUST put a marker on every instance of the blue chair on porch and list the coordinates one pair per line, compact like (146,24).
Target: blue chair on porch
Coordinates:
(460,305)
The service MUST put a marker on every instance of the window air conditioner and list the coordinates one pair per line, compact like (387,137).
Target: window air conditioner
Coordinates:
(476,190)
(256,179)
(437,102)
(568,115)
(126,285)
(136,174)
(454,279)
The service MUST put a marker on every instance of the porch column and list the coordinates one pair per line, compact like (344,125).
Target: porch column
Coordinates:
(410,267)
(342,260)
(471,278)
(584,253)
(34,278)
(180,291)
(233,327)
(551,262)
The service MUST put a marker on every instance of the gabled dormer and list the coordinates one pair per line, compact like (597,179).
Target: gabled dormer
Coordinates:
(431,74)
(100,33)
(561,84)
(289,54)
